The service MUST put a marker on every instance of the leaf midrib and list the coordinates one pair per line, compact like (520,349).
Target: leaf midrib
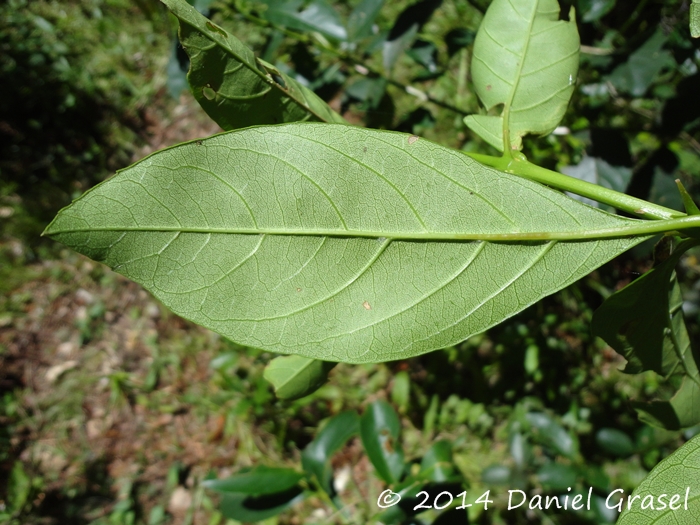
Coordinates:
(514,86)
(632,229)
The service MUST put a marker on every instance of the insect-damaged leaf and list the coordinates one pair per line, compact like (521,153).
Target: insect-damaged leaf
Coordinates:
(644,323)
(380,428)
(316,457)
(334,242)
(234,87)
(525,60)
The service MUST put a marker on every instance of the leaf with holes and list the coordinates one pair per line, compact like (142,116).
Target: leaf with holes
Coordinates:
(335,242)
(235,88)
(655,339)
(525,60)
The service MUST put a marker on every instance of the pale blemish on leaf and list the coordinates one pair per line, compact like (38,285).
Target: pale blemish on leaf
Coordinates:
(208,93)
(412,139)
(367,306)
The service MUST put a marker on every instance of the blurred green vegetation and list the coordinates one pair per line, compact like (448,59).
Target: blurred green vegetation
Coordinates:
(75,78)
(112,410)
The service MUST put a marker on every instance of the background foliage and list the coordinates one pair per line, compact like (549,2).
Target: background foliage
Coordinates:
(113,410)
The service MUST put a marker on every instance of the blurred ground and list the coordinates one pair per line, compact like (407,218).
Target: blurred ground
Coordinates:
(112,409)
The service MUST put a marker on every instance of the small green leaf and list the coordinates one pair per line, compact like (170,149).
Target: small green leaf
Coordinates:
(557,477)
(257,481)
(551,434)
(640,333)
(318,16)
(598,171)
(249,509)
(316,457)
(695,19)
(496,475)
(641,69)
(368,90)
(232,86)
(515,65)
(294,376)
(676,474)
(380,428)
(437,464)
(392,49)
(615,442)
(690,207)
(19,488)
(401,390)
(520,449)
(680,411)
(592,10)
(362,18)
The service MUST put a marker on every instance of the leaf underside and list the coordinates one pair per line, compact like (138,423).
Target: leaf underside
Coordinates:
(232,86)
(335,242)
(525,60)
(652,499)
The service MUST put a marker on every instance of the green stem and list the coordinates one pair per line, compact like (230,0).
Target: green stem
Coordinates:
(518,165)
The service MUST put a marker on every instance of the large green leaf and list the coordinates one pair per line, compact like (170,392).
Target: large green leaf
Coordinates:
(526,60)
(652,500)
(644,323)
(335,242)
(235,88)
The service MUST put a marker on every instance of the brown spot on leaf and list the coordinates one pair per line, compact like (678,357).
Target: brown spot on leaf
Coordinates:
(298,289)
(488,87)
(388,442)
